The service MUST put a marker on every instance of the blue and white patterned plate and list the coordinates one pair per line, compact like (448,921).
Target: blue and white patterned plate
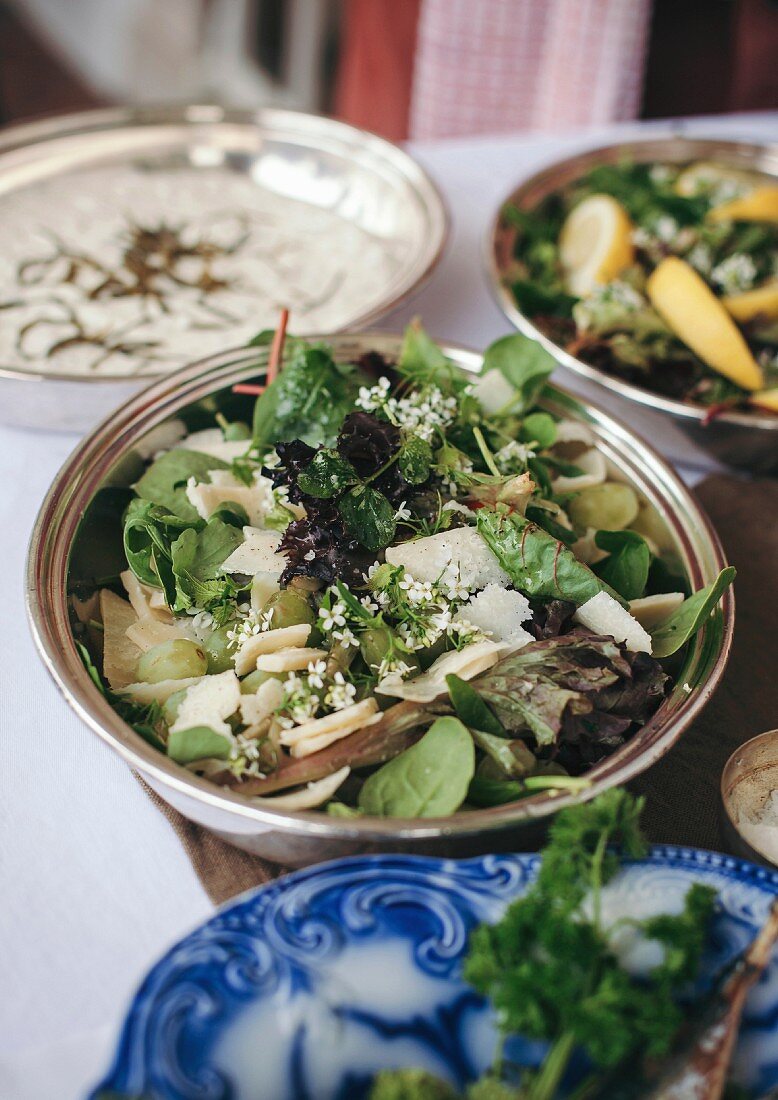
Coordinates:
(303,989)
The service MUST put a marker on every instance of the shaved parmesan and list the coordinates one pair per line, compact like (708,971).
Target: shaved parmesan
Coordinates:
(269,641)
(651,610)
(211,441)
(604,615)
(316,734)
(493,390)
(426,558)
(309,798)
(144,693)
(259,706)
(208,702)
(148,632)
(256,554)
(464,663)
(120,654)
(594,469)
(207,497)
(499,612)
(573,431)
(586,549)
(289,660)
(141,595)
(263,587)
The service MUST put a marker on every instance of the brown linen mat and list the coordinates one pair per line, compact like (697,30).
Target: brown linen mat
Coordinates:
(682,789)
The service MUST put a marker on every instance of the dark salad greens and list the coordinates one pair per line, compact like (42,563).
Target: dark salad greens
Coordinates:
(559,972)
(400,591)
(664,275)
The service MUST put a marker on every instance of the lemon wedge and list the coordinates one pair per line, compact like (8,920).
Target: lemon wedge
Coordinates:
(765,399)
(696,316)
(706,175)
(760,205)
(595,244)
(760,302)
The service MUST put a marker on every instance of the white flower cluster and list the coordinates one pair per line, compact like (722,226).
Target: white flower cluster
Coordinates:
(332,620)
(340,694)
(737,272)
(305,694)
(423,411)
(251,624)
(701,258)
(513,457)
(245,757)
(424,610)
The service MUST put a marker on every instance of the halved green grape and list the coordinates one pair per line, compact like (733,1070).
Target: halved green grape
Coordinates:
(219,651)
(254,681)
(289,609)
(176,659)
(607,507)
(379,642)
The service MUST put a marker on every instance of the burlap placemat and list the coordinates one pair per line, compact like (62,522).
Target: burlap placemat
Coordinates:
(682,789)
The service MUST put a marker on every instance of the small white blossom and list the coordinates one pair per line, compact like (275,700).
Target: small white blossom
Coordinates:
(340,694)
(737,272)
(402,513)
(333,617)
(345,637)
(393,666)
(310,555)
(701,258)
(316,672)
(666,228)
(369,605)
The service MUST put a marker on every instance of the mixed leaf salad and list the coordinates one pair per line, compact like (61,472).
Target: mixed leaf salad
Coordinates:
(608,1005)
(399,592)
(664,275)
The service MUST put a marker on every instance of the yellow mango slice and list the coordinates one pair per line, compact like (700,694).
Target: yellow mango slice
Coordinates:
(765,399)
(760,302)
(760,205)
(696,316)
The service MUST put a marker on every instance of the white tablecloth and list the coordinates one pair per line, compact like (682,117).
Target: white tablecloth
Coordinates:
(95,885)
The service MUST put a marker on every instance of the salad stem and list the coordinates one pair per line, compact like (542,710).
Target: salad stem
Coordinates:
(487,454)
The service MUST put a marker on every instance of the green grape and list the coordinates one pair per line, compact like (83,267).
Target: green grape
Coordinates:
(233,433)
(378,642)
(219,651)
(176,659)
(607,507)
(289,609)
(254,681)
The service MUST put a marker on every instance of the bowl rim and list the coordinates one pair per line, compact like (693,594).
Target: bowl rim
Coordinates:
(84,471)
(575,164)
(22,135)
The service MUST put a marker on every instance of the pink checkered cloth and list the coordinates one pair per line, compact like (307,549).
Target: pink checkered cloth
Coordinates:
(492,66)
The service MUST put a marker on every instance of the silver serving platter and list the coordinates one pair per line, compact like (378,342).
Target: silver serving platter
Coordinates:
(72,539)
(745,439)
(328,166)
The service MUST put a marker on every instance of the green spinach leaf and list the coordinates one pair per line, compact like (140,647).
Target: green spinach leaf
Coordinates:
(164,482)
(428,780)
(471,709)
(626,567)
(195,561)
(686,620)
(538,564)
(540,428)
(524,362)
(327,474)
(149,532)
(197,743)
(369,517)
(422,362)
